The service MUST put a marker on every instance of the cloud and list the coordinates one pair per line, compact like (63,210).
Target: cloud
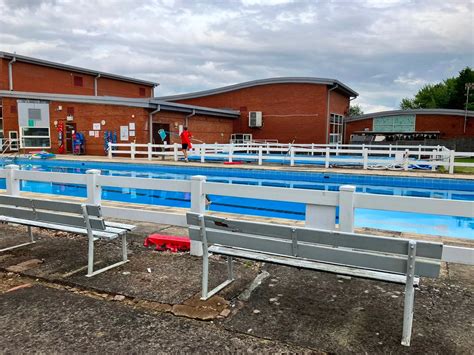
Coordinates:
(386,50)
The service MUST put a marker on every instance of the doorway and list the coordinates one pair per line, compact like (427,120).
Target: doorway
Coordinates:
(70,130)
(156,136)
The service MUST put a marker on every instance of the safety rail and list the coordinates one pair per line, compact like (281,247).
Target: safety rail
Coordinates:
(365,156)
(320,205)
(8,145)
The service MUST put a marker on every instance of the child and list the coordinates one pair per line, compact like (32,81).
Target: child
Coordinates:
(185,142)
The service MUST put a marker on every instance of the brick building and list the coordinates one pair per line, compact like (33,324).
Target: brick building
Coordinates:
(304,110)
(38,98)
(411,125)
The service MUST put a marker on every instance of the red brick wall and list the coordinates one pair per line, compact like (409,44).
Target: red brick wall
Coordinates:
(351,127)
(290,111)
(35,78)
(209,129)
(449,126)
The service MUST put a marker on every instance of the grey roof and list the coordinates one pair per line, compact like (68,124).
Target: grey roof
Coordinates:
(122,101)
(437,111)
(46,63)
(282,80)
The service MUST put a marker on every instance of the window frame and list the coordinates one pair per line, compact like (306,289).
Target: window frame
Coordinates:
(22,138)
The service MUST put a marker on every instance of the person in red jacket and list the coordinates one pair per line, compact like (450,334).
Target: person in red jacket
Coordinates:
(185,142)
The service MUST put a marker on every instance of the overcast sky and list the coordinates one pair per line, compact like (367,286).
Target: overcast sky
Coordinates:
(385,50)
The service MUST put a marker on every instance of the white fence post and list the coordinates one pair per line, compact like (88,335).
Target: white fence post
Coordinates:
(312,148)
(12,183)
(406,157)
(292,156)
(231,151)
(203,152)
(451,161)
(327,157)
(132,150)
(260,154)
(150,151)
(175,151)
(109,151)
(198,205)
(346,208)
(365,158)
(94,190)
(419,152)
(268,148)
(390,151)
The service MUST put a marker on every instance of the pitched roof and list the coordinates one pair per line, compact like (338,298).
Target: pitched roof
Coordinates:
(420,111)
(46,63)
(248,84)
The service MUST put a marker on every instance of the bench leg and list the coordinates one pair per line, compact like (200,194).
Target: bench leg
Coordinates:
(90,266)
(32,241)
(408,313)
(205,277)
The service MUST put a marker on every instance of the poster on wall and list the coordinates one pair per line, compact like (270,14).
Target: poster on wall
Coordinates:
(96,126)
(131,125)
(124,133)
(132,133)
(91,133)
(97,134)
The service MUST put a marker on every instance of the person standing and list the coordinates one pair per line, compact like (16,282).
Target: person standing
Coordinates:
(185,142)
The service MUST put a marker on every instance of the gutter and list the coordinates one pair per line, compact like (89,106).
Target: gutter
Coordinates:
(150,122)
(328,113)
(10,73)
(186,119)
(95,84)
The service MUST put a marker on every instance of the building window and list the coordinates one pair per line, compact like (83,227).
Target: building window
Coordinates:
(141,91)
(78,81)
(336,128)
(70,111)
(35,137)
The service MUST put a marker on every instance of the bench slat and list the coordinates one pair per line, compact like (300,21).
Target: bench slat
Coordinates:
(313,265)
(330,238)
(59,227)
(67,207)
(51,217)
(348,257)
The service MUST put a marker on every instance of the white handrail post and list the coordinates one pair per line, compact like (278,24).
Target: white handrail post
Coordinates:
(175,151)
(346,208)
(109,150)
(132,150)
(149,150)
(327,157)
(12,183)
(365,158)
(94,190)
(260,153)
(202,152)
(198,205)
(451,161)
(292,156)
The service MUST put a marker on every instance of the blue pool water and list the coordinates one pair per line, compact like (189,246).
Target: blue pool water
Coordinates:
(456,189)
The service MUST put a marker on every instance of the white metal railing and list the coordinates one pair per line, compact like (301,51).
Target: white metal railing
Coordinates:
(366,156)
(8,145)
(320,205)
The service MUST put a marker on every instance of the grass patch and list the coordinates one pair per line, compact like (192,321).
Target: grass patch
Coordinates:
(464,169)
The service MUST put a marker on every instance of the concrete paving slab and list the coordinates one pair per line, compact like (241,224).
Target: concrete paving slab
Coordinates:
(44,320)
(319,310)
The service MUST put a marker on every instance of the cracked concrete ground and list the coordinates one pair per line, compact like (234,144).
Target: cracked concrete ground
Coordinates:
(47,305)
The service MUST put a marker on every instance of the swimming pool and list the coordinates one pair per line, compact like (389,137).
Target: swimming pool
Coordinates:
(456,189)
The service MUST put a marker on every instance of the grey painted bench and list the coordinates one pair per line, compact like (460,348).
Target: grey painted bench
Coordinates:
(371,257)
(76,218)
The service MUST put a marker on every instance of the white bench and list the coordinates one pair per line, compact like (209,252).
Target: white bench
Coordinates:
(76,218)
(371,257)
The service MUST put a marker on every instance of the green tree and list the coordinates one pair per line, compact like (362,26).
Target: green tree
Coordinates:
(450,93)
(355,110)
